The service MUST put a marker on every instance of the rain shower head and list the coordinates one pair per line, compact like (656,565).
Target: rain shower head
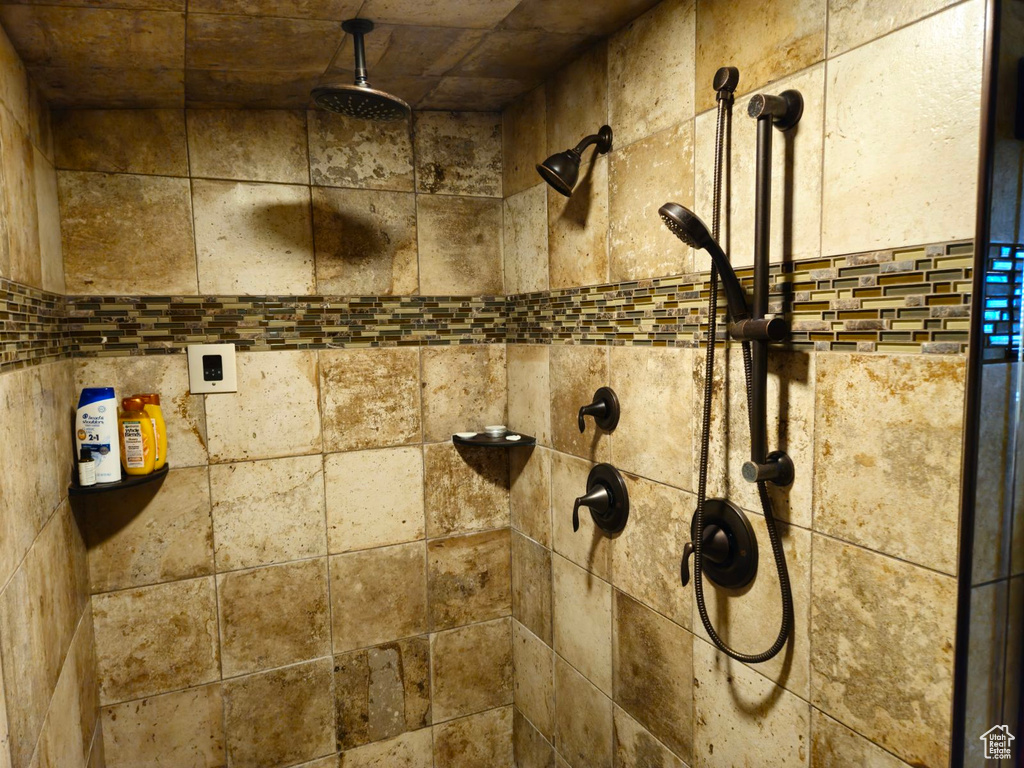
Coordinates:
(687,226)
(358,99)
(562,170)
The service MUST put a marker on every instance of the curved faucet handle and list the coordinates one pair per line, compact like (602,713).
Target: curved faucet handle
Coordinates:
(598,499)
(597,409)
(684,566)
(604,409)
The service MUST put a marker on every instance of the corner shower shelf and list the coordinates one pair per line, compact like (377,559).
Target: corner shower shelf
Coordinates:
(128,481)
(482,440)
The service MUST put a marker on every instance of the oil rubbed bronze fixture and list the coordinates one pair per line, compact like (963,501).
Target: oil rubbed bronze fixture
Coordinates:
(562,170)
(607,498)
(604,409)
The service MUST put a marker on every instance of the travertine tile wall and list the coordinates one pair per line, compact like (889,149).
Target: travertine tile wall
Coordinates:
(322,571)
(48,704)
(612,664)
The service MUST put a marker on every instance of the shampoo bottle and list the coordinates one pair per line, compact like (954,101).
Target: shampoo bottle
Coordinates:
(152,403)
(96,431)
(138,442)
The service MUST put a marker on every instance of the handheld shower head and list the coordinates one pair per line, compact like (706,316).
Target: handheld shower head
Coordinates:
(687,226)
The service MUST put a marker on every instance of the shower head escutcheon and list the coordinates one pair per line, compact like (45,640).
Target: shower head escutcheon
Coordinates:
(358,99)
(562,170)
(726,80)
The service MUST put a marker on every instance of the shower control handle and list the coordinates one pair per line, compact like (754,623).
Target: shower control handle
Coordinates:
(604,409)
(607,499)
(599,500)
(715,549)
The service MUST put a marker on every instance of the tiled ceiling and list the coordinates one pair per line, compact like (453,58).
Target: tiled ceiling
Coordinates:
(436,54)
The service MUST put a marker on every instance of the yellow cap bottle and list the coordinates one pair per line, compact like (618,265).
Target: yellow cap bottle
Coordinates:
(156,415)
(138,441)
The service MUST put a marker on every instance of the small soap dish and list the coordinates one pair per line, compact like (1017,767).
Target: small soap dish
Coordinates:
(483,440)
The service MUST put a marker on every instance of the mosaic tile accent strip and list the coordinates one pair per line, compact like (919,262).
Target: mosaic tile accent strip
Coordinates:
(898,301)
(31,326)
(1002,302)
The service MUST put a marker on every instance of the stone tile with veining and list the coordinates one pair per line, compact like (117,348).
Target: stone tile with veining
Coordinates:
(101,216)
(534,679)
(147,141)
(277,395)
(578,229)
(530,493)
(577,101)
(359,154)
(525,240)
(588,547)
(374,498)
(468,579)
(882,658)
(459,245)
(153,533)
(854,23)
(583,720)
(410,750)
(378,595)
(19,171)
(266,227)
(458,153)
(529,405)
(583,621)
(371,397)
(531,586)
(280,717)
(465,489)
(471,669)
(463,389)
(156,639)
(833,745)
(248,145)
(530,748)
(382,692)
(268,511)
(365,242)
(635,747)
(51,256)
(483,739)
(180,728)
(910,453)
(524,141)
(576,373)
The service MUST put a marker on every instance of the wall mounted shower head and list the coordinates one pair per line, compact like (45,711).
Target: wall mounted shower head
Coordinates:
(358,99)
(562,170)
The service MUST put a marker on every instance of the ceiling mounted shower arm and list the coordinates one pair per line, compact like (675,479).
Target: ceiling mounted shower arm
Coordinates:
(357,28)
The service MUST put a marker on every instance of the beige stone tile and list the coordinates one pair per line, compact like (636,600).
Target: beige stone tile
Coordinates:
(576,373)
(563,16)
(748,619)
(279,393)
(583,621)
(410,750)
(531,586)
(156,639)
(653,659)
(651,71)
(766,41)
(882,659)
(267,227)
(101,216)
(452,92)
(166,375)
(260,43)
(471,669)
(153,533)
(5,736)
(578,229)
(911,453)
(472,14)
(422,53)
(854,23)
(655,391)
(735,707)
(530,494)
(147,141)
(583,720)
(463,389)
(365,242)
(382,692)
(835,746)
(273,616)
(459,245)
(588,547)
(534,663)
(635,747)
(248,145)
(346,152)
(40,609)
(796,174)
(371,397)
(280,717)
(374,498)
(458,153)
(181,728)
(70,87)
(268,511)
(469,579)
(936,200)
(643,177)
(15,92)
(524,141)
(249,89)
(20,193)
(465,489)
(646,555)
(530,749)
(525,240)
(483,739)
(378,595)
(529,405)
(51,257)
(576,101)
(331,9)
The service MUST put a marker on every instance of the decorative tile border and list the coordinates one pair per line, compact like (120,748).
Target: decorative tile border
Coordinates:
(897,301)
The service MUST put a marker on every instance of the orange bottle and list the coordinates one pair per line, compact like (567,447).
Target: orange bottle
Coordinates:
(156,415)
(138,440)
